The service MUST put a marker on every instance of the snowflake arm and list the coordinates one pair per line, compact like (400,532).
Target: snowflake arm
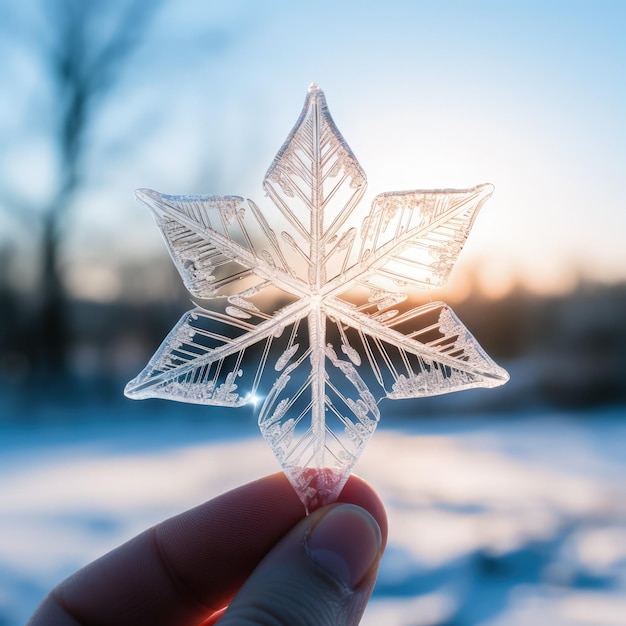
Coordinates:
(203,357)
(209,241)
(414,237)
(437,355)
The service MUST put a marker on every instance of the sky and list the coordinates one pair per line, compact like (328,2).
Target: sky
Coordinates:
(529,96)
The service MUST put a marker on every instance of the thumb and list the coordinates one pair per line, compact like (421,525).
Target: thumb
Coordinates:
(321,573)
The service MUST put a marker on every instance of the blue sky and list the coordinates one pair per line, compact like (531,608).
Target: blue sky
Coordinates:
(530,96)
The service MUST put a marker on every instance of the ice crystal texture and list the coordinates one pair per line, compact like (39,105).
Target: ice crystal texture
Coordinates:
(306,303)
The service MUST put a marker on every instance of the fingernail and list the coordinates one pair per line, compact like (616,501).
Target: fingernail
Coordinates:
(345,542)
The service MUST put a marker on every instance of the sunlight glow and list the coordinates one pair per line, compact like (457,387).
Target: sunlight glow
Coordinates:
(255,400)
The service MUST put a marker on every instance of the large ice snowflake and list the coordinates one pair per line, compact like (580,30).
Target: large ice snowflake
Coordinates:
(315,291)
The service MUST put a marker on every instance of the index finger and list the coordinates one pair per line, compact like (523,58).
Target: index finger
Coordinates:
(190,566)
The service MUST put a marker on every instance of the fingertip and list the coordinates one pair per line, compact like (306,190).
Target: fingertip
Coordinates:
(346,542)
(358,491)
(321,572)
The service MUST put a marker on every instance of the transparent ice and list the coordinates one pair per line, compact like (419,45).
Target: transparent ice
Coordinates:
(306,307)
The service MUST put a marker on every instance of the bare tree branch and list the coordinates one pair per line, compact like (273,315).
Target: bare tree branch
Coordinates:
(83,64)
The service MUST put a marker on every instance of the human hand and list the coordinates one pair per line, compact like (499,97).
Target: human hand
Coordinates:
(251,549)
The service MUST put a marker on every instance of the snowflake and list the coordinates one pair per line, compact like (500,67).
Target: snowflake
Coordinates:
(317,291)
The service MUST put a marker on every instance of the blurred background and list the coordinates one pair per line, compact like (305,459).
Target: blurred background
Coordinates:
(506,505)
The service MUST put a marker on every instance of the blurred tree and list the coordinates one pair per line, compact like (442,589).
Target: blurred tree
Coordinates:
(82,48)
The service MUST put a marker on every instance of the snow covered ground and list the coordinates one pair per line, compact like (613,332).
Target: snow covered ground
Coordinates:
(512,519)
